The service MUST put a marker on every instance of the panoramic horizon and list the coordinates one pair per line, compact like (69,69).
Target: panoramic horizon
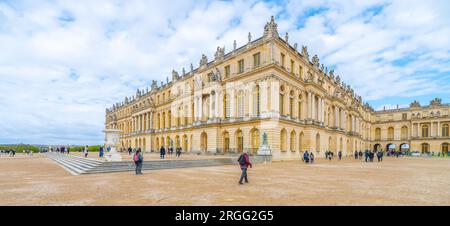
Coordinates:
(62,63)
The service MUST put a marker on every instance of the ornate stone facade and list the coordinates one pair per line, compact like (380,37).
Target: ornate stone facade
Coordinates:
(265,87)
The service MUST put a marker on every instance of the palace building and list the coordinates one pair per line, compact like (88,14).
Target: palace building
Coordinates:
(269,87)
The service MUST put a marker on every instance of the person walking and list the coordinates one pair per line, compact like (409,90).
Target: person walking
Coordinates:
(380,156)
(340,155)
(356,154)
(366,155)
(85,151)
(360,154)
(138,159)
(244,163)
(311,158)
(178,153)
(371,156)
(306,157)
(68,149)
(129,150)
(162,152)
(100,152)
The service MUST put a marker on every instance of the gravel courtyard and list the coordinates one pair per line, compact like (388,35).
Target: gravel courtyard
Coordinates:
(37,180)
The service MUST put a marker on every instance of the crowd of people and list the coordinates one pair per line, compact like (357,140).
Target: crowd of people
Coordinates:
(162,152)
(10,152)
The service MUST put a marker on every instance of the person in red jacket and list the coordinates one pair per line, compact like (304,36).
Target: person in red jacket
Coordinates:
(244,162)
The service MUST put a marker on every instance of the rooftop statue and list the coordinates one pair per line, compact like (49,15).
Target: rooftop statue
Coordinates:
(414,104)
(305,52)
(204,60)
(270,29)
(436,102)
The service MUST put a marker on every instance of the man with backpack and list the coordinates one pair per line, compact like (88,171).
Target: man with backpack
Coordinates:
(138,159)
(244,162)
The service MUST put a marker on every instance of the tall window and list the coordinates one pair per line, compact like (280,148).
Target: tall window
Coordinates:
(390,133)
(292,67)
(425,131)
(282,60)
(256,59)
(169,120)
(300,71)
(444,148)
(404,133)
(445,130)
(256,101)
(227,71)
(283,140)
(377,134)
(240,104)
(241,66)
(425,148)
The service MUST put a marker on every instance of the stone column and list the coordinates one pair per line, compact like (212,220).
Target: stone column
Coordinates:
(232,104)
(335,116)
(210,116)
(216,111)
(151,120)
(431,129)
(200,107)
(439,129)
(309,105)
(313,103)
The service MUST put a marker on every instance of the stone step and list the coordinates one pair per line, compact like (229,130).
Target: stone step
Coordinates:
(80,161)
(73,164)
(71,169)
(76,157)
(79,165)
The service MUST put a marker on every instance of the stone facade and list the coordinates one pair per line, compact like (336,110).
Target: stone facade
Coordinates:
(265,86)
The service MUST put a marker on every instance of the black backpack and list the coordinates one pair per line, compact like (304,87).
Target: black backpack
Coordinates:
(241,160)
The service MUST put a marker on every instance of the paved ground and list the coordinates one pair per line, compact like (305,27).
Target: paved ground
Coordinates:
(38,180)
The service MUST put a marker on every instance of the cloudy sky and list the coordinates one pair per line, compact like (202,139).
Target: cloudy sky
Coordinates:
(63,62)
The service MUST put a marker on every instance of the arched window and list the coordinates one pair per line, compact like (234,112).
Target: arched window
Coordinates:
(254,134)
(204,142)
(404,133)
(283,140)
(163,120)
(390,133)
(377,134)
(240,104)
(425,148)
(185,143)
(226,141)
(293,139)
(424,131)
(444,148)
(239,141)
(256,101)
(318,143)
(445,130)
(159,121)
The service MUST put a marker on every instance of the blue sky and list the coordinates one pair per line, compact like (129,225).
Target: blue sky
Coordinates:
(63,62)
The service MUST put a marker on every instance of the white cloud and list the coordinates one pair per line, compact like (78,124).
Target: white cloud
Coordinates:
(63,62)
